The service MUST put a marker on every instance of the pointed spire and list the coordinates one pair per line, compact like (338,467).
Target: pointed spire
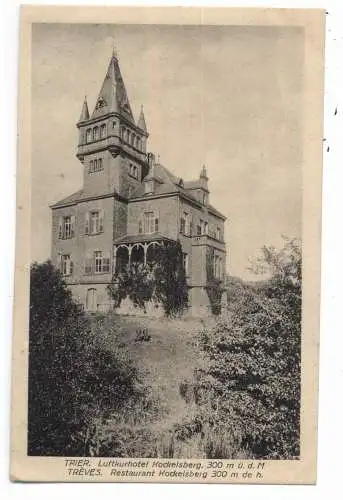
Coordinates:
(141,121)
(203,173)
(84,112)
(112,96)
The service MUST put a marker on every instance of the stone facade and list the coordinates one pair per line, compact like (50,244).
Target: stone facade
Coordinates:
(130,203)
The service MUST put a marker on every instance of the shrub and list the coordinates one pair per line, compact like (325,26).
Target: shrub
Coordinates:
(73,379)
(252,381)
(162,281)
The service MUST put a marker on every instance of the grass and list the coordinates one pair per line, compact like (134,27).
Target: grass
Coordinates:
(166,362)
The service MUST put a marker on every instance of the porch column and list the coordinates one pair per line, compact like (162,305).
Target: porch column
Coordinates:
(129,250)
(145,248)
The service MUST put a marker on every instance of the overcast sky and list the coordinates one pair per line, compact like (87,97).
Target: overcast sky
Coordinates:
(228,97)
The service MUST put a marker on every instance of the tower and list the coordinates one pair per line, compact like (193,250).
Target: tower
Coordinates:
(112,147)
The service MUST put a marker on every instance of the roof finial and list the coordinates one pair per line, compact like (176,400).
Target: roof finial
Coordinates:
(203,173)
(114,51)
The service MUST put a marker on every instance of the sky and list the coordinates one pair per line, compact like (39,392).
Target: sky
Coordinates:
(228,97)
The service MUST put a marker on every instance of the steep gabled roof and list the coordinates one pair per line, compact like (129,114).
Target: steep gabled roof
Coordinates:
(141,121)
(113,96)
(69,200)
(84,112)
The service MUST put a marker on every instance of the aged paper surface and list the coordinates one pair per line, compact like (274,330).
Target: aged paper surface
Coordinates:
(209,373)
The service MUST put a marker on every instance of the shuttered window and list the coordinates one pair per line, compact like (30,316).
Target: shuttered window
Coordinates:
(98,263)
(94,222)
(66,265)
(66,227)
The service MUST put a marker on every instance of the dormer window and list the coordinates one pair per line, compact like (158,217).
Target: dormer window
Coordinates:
(149,187)
(95,133)
(103,131)
(101,103)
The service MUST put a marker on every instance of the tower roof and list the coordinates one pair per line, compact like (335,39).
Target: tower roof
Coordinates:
(141,121)
(203,173)
(84,112)
(113,96)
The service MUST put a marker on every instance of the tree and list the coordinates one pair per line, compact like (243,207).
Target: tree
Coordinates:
(252,380)
(73,379)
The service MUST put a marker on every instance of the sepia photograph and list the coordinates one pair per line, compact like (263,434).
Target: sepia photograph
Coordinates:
(166,253)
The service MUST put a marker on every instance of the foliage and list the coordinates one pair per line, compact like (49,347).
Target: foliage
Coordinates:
(136,282)
(73,378)
(252,381)
(214,288)
(170,278)
(163,281)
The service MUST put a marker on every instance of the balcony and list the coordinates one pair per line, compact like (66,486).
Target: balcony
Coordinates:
(205,239)
(110,142)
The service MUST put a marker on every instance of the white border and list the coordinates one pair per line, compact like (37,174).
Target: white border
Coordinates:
(331,371)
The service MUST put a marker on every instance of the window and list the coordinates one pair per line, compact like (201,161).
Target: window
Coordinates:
(133,170)
(89,135)
(66,228)
(98,261)
(185,263)
(182,225)
(202,228)
(94,222)
(66,265)
(101,264)
(103,131)
(95,133)
(95,165)
(218,233)
(150,222)
(185,224)
(140,227)
(217,264)
(149,187)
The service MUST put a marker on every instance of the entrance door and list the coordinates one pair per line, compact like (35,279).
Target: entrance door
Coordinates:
(91,302)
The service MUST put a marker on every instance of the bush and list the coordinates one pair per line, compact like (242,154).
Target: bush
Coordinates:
(163,281)
(73,380)
(252,382)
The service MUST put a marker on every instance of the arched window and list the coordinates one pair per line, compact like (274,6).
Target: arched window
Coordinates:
(128,133)
(89,135)
(133,139)
(103,131)
(138,141)
(95,133)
